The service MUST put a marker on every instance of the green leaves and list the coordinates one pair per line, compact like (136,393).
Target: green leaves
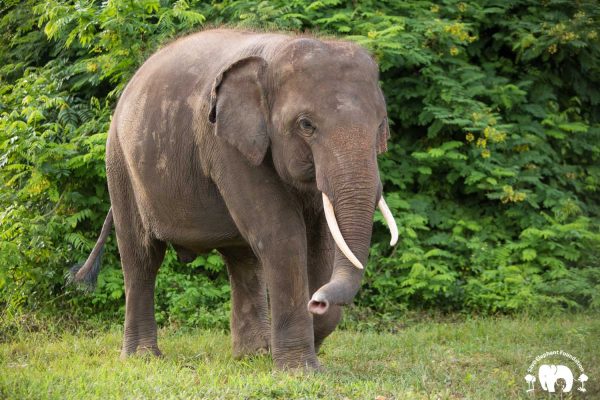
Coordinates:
(492,170)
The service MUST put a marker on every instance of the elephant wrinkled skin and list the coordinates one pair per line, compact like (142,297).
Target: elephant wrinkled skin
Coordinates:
(234,141)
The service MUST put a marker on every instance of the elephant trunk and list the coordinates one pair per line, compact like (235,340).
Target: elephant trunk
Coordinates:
(349,205)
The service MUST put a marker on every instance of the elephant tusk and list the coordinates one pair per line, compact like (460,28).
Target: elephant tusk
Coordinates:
(337,235)
(389,220)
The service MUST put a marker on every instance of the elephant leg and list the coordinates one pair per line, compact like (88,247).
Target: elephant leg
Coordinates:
(141,256)
(249,314)
(321,252)
(292,336)
(140,266)
(270,219)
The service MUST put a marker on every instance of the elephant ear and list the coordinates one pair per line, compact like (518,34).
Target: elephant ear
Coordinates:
(382,136)
(238,107)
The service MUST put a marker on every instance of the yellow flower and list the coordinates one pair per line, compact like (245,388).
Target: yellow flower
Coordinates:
(92,67)
(498,137)
(519,196)
(568,36)
(511,196)
(462,7)
(470,137)
(592,35)
(454,51)
(558,28)
(481,142)
(486,153)
(488,131)
(552,49)
(435,8)
(457,30)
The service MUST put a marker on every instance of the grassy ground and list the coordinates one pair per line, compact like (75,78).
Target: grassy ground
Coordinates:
(472,359)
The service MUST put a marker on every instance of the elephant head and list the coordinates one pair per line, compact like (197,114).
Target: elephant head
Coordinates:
(317,107)
(549,374)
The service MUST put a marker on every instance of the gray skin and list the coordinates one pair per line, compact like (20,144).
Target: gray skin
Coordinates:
(225,140)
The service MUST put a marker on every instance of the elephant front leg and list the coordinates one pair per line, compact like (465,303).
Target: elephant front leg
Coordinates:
(292,337)
(270,220)
(249,309)
(282,253)
(321,253)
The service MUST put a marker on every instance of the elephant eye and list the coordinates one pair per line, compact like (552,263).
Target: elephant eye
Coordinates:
(306,126)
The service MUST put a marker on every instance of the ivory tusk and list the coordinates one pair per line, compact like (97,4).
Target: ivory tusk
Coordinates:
(337,235)
(389,220)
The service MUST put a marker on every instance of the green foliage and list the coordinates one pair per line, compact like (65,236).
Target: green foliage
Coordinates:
(493,170)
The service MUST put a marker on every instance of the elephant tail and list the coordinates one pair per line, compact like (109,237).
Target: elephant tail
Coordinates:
(86,274)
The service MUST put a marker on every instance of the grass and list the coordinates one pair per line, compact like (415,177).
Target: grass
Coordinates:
(481,358)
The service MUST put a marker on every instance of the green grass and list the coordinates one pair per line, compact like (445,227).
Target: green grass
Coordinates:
(483,358)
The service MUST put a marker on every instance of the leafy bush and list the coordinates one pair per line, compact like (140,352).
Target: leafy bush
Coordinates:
(493,170)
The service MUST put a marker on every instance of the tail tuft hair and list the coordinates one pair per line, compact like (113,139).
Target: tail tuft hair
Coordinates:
(85,275)
(88,278)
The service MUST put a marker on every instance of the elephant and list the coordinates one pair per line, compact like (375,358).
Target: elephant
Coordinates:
(549,374)
(264,147)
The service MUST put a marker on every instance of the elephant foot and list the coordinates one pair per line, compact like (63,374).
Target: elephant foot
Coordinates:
(250,346)
(308,365)
(239,354)
(297,363)
(139,348)
(144,351)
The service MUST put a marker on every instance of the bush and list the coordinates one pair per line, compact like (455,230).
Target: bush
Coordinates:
(492,170)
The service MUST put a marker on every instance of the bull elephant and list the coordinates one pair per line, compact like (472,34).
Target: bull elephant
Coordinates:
(262,146)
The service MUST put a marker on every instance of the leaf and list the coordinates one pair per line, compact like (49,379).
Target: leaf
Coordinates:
(529,255)
(424,170)
(574,127)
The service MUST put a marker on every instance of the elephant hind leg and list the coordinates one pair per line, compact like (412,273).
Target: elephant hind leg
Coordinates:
(141,255)
(250,331)
(140,267)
